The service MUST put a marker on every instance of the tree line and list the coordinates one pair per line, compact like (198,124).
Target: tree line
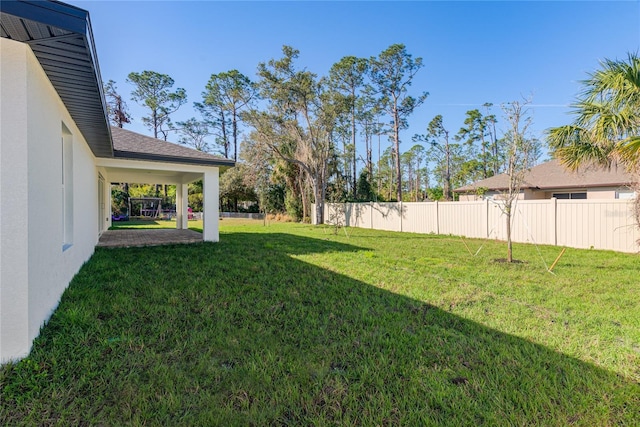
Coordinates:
(300,138)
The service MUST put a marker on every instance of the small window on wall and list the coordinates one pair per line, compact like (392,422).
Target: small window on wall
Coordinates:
(571,196)
(625,194)
(67,188)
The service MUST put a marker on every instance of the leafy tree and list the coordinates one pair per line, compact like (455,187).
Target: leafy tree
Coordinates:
(235,187)
(196,197)
(385,173)
(479,130)
(347,77)
(119,200)
(369,119)
(116,107)
(216,118)
(467,171)
(153,92)
(417,154)
(227,95)
(391,74)
(442,151)
(193,133)
(298,122)
(435,193)
(274,198)
(259,174)
(364,192)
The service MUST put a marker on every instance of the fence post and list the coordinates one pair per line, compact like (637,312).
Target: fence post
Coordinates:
(486,222)
(437,218)
(554,221)
(371,215)
(401,216)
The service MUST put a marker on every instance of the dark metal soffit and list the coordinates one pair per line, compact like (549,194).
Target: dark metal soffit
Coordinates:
(60,37)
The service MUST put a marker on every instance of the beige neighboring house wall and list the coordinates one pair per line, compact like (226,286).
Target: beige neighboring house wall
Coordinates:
(549,178)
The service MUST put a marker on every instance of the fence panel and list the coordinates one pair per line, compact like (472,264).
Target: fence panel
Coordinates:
(386,216)
(420,218)
(606,224)
(533,222)
(463,218)
(358,215)
(599,224)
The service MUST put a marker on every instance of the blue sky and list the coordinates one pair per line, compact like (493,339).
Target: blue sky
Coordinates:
(474,52)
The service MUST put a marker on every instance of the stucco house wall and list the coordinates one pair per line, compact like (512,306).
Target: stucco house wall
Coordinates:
(58,158)
(31,215)
(528,194)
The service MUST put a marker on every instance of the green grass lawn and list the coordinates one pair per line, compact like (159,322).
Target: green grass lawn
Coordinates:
(292,325)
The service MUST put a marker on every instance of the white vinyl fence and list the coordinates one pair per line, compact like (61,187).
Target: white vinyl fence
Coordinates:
(598,224)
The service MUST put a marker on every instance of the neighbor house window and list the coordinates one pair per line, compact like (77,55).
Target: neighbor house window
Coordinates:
(67,188)
(570,195)
(625,194)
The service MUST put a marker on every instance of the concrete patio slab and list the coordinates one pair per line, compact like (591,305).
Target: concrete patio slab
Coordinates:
(147,237)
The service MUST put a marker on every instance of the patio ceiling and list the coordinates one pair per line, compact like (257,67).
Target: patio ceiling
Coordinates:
(151,177)
(149,172)
(60,37)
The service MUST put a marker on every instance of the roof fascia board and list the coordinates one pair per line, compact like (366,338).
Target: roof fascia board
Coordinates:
(110,162)
(119,154)
(55,14)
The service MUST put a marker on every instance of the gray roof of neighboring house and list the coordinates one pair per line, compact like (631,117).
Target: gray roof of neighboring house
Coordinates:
(60,37)
(134,146)
(552,175)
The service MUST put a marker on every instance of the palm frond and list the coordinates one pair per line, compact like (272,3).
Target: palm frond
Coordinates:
(630,152)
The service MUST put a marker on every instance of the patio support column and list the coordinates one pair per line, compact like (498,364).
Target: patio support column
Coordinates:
(210,189)
(182,202)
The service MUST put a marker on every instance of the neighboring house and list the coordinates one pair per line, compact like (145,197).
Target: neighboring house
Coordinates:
(58,156)
(551,179)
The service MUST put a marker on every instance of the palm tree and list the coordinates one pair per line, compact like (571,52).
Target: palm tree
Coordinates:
(607,125)
(606,130)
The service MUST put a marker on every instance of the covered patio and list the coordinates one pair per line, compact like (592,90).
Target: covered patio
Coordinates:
(145,160)
(147,237)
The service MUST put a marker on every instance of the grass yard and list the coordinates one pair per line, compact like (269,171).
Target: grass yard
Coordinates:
(290,324)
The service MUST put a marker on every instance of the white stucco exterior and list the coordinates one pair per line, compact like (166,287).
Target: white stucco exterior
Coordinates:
(51,212)
(34,268)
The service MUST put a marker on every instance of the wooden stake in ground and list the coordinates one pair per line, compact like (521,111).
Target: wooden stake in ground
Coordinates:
(466,246)
(557,259)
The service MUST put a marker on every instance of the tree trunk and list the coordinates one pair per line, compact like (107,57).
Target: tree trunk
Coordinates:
(235,135)
(303,194)
(509,243)
(319,202)
(396,134)
(154,117)
(223,128)
(355,156)
(447,181)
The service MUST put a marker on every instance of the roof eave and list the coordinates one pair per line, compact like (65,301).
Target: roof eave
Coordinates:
(132,155)
(88,111)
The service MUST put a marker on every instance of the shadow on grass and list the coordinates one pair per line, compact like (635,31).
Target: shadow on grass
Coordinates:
(241,333)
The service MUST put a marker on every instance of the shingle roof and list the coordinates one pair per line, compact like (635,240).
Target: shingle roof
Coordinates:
(60,36)
(134,146)
(552,175)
